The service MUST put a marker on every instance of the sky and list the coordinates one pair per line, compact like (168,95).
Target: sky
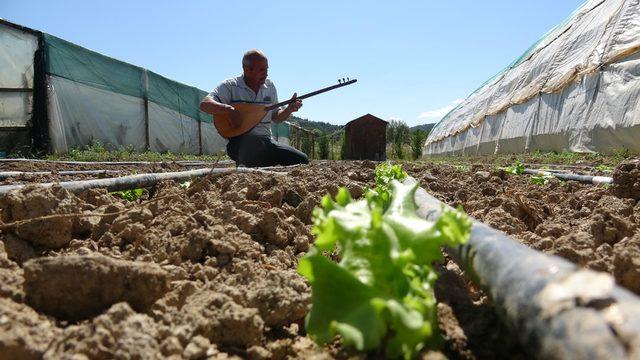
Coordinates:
(414,60)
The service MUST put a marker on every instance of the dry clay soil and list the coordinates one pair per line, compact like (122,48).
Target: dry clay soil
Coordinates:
(209,271)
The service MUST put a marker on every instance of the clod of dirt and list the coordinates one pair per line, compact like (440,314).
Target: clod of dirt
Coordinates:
(626,262)
(78,287)
(11,277)
(23,333)
(17,250)
(218,318)
(119,333)
(281,297)
(36,202)
(626,179)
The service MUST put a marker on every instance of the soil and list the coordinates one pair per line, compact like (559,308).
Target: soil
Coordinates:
(210,271)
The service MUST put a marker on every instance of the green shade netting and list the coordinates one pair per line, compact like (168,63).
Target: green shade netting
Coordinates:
(179,97)
(73,62)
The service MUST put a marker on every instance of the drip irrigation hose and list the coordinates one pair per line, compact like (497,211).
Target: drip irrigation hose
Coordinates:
(596,180)
(6,174)
(181,162)
(558,310)
(138,181)
(561,166)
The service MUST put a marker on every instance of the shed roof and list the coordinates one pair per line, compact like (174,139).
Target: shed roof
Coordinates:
(365,118)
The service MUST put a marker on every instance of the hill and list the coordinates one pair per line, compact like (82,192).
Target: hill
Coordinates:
(424,127)
(312,125)
(329,128)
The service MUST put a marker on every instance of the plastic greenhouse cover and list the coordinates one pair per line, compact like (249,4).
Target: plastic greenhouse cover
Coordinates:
(598,33)
(79,113)
(16,58)
(171,131)
(212,142)
(16,108)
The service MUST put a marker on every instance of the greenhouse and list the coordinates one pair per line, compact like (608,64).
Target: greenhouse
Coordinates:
(576,89)
(57,95)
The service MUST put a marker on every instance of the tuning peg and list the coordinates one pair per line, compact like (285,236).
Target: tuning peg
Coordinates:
(343,80)
(339,81)
(347,79)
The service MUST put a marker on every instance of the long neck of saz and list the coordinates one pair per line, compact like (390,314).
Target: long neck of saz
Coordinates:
(313,93)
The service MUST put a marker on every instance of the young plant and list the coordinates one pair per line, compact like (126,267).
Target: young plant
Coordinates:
(129,195)
(541,179)
(515,169)
(603,168)
(380,295)
(385,173)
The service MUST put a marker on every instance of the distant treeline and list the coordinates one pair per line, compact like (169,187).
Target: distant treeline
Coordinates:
(403,142)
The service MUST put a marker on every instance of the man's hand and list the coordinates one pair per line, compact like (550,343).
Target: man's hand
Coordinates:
(282,114)
(295,105)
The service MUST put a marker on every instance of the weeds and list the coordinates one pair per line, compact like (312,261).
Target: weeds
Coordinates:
(97,151)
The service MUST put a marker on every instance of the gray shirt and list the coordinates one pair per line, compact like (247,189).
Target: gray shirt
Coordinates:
(235,90)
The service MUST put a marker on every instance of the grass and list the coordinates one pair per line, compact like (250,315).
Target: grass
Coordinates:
(96,151)
(602,162)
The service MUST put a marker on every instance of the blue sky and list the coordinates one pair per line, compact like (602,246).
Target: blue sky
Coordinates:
(413,59)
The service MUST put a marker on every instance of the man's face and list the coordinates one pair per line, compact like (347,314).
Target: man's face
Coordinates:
(258,72)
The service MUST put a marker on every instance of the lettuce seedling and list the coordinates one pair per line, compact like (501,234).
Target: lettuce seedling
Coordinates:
(129,195)
(515,169)
(385,173)
(380,294)
(541,179)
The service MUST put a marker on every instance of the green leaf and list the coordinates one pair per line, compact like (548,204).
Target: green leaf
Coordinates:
(541,180)
(129,195)
(516,169)
(380,294)
(342,304)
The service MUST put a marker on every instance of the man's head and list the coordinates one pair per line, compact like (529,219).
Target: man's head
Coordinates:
(255,67)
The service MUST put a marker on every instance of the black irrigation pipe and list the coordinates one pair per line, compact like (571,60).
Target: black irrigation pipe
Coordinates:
(559,311)
(589,179)
(6,174)
(181,162)
(137,181)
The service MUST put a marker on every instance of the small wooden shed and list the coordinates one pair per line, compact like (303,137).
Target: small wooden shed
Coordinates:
(366,138)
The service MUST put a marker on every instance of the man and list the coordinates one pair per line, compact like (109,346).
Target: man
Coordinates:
(255,148)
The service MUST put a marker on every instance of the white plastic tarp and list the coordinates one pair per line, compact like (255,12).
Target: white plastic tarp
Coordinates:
(17,49)
(16,58)
(212,142)
(15,108)
(171,131)
(79,113)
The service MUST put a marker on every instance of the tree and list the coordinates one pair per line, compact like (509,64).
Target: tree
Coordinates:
(323,146)
(398,134)
(417,141)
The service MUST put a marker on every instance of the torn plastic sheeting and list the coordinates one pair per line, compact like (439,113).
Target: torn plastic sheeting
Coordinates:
(136,181)
(558,309)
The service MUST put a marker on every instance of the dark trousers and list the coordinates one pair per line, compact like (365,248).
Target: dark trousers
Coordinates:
(256,151)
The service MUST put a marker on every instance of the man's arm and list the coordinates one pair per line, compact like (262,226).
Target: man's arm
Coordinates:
(282,114)
(213,107)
